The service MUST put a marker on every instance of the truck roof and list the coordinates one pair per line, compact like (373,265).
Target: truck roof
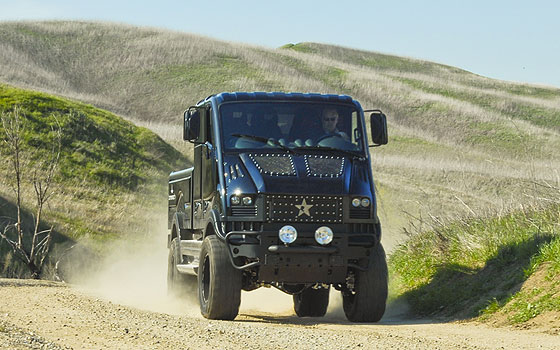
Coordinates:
(277,96)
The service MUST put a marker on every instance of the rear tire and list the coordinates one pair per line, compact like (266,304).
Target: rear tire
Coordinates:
(178,284)
(312,302)
(219,283)
(367,302)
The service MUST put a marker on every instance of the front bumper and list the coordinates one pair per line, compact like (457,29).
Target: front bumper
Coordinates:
(304,261)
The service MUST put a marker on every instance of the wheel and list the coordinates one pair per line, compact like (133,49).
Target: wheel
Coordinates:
(178,284)
(367,302)
(312,302)
(219,283)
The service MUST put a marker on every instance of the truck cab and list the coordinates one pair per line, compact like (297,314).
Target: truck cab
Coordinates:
(281,194)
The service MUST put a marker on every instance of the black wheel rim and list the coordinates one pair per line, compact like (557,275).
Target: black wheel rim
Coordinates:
(206,279)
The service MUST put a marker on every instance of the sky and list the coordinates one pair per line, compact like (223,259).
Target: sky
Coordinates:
(507,40)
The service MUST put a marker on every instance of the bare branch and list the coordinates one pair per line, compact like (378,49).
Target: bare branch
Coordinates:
(4,234)
(18,251)
(42,176)
(44,247)
(44,231)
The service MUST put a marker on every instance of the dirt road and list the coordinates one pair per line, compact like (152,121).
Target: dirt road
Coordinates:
(49,315)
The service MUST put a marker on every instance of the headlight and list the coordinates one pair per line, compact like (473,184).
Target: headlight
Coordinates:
(365,202)
(287,234)
(235,200)
(247,200)
(356,202)
(323,235)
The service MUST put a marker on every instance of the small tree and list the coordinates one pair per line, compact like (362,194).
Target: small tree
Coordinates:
(28,167)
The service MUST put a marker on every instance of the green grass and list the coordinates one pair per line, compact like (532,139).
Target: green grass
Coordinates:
(498,135)
(220,70)
(97,146)
(477,267)
(411,141)
(374,60)
(411,145)
(540,298)
(540,116)
(299,47)
(533,91)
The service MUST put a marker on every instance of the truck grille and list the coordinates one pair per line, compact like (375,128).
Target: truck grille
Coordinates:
(303,208)
(244,211)
(359,213)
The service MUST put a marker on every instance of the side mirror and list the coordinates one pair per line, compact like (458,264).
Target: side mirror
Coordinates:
(191,124)
(378,124)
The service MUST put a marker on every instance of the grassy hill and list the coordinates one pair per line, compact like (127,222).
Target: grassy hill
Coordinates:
(501,269)
(97,146)
(111,172)
(459,142)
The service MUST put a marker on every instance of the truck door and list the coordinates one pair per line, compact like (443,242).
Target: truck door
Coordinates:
(204,171)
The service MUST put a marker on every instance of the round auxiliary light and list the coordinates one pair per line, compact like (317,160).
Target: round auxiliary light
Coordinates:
(365,202)
(247,200)
(287,234)
(356,202)
(323,235)
(235,200)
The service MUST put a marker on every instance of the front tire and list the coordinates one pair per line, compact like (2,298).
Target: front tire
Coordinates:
(367,302)
(312,302)
(219,283)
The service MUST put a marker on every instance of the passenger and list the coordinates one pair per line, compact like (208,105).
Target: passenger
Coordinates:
(265,124)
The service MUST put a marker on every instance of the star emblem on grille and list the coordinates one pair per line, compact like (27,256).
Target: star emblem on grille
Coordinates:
(304,208)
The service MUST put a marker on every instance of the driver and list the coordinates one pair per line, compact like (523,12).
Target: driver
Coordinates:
(329,121)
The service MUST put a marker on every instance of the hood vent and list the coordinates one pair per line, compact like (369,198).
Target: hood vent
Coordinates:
(232,172)
(324,166)
(274,164)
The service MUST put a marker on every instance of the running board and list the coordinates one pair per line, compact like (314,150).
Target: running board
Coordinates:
(190,248)
(189,269)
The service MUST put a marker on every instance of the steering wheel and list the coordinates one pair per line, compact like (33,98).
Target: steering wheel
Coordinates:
(326,136)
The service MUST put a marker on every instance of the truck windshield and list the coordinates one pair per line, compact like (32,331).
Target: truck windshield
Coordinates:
(282,125)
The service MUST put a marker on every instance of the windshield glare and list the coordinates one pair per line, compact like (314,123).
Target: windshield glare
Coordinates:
(252,125)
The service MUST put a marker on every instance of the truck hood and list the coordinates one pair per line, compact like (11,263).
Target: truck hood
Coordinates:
(296,174)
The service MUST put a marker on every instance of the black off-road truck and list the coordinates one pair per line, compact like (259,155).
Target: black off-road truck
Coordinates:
(281,194)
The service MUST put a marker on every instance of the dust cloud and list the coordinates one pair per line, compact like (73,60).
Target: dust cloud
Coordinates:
(267,300)
(133,272)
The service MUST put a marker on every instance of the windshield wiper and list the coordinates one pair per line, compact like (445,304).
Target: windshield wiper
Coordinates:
(352,154)
(265,140)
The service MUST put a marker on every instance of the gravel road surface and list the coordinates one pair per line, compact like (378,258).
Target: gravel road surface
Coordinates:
(50,315)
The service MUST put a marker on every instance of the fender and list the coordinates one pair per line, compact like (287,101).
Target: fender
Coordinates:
(174,229)
(179,221)
(216,223)
(178,227)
